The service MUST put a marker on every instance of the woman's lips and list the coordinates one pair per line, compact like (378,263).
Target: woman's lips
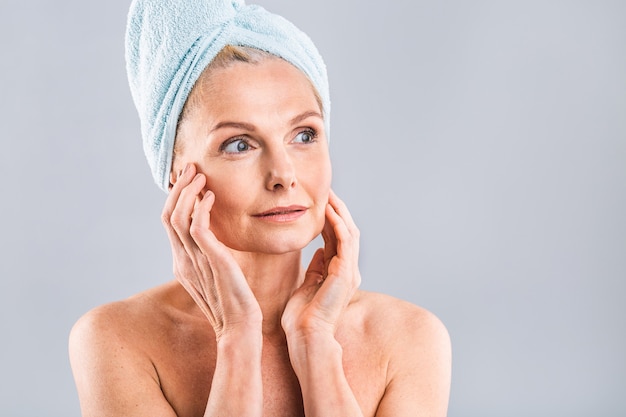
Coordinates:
(282,214)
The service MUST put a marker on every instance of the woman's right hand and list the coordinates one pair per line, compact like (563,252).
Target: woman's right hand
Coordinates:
(204,265)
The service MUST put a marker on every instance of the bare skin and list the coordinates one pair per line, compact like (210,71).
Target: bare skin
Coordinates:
(243,330)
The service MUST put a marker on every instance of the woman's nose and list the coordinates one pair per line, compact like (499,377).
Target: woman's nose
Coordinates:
(281,173)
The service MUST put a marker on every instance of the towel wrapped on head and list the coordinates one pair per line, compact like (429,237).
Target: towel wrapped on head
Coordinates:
(170,42)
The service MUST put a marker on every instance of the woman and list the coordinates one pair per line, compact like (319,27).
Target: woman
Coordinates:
(243,330)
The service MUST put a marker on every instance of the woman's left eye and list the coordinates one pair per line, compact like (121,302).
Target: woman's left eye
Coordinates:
(235,146)
(306,136)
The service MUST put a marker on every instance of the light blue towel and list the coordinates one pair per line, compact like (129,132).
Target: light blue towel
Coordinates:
(170,42)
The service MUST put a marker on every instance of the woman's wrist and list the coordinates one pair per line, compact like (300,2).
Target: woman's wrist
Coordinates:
(237,375)
(314,353)
(247,339)
(317,360)
(240,346)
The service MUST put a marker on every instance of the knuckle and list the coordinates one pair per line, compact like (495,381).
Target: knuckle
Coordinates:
(177,222)
(165,218)
(307,321)
(195,230)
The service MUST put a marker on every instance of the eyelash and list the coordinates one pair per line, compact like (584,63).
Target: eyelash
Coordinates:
(312,132)
(242,139)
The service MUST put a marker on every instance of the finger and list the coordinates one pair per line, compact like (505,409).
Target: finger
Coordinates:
(345,229)
(200,230)
(195,271)
(342,210)
(201,234)
(227,275)
(345,241)
(181,215)
(339,206)
(313,277)
(330,239)
(346,262)
(201,215)
(183,266)
(332,296)
(184,177)
(315,272)
(216,260)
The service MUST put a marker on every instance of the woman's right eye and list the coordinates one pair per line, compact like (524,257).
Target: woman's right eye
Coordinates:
(235,146)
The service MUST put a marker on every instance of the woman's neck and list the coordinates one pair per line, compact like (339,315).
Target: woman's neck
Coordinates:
(272,278)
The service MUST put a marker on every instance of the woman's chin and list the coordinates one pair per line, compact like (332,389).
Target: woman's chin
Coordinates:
(279,247)
(273,245)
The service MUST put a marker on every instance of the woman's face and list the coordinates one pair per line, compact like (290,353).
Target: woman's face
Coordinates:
(257,133)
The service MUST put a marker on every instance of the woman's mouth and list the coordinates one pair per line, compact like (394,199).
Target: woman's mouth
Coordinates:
(282,214)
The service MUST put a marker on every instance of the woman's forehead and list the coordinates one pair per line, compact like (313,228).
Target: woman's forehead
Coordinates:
(270,86)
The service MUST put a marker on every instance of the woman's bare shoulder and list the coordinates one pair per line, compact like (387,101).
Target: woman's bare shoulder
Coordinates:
(394,317)
(112,350)
(416,345)
(133,320)
(402,330)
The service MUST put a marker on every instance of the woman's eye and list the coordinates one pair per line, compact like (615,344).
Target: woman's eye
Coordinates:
(306,136)
(236,146)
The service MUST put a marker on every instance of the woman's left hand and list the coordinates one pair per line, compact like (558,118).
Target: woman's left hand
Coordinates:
(331,279)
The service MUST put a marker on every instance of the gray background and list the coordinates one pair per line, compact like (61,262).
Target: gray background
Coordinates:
(480,145)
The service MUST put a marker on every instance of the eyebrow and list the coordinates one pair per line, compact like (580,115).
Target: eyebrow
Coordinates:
(251,128)
(238,125)
(311,113)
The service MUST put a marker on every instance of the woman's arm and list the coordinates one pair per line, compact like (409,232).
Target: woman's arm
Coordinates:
(418,372)
(312,314)
(209,273)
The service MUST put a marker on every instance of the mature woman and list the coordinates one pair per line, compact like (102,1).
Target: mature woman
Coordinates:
(234,107)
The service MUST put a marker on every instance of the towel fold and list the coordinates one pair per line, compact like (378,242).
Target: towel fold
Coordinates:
(170,42)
